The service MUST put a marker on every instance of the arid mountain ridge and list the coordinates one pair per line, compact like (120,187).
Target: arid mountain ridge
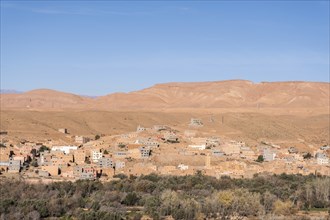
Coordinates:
(197,95)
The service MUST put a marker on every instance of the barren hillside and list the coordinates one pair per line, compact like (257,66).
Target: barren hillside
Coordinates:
(248,126)
(221,94)
(44,99)
(285,112)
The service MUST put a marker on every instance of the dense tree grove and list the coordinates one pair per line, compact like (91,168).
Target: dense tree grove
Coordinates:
(182,197)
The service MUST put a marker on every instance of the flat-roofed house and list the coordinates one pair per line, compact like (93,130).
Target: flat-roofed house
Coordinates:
(14,165)
(321,159)
(150,142)
(45,158)
(269,155)
(140,128)
(198,146)
(20,158)
(63,130)
(79,157)
(229,149)
(84,172)
(81,139)
(96,155)
(64,149)
(120,164)
(248,153)
(145,152)
(106,162)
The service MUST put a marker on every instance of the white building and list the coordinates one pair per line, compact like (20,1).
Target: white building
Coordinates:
(326,147)
(120,164)
(322,159)
(269,155)
(140,128)
(183,167)
(147,142)
(96,155)
(199,147)
(64,149)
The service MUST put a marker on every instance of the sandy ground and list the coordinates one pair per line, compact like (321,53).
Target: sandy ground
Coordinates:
(302,126)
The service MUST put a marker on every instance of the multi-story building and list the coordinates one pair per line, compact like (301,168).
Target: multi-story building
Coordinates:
(145,152)
(321,159)
(14,165)
(105,162)
(84,172)
(79,157)
(96,155)
(45,158)
(120,164)
(269,155)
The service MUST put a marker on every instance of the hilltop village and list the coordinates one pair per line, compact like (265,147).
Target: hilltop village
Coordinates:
(159,149)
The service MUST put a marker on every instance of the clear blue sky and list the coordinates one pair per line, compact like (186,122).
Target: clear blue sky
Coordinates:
(96,48)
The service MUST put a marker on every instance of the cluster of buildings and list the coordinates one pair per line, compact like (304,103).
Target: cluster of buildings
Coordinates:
(157,149)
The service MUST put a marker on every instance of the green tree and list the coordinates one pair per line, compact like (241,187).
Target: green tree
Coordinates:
(33,152)
(34,163)
(152,205)
(307,156)
(260,159)
(121,145)
(44,148)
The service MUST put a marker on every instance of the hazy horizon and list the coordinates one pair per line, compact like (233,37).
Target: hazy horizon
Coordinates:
(17,91)
(97,48)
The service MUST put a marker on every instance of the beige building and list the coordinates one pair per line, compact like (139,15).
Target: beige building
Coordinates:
(248,153)
(4,154)
(231,149)
(63,130)
(52,170)
(79,157)
(81,139)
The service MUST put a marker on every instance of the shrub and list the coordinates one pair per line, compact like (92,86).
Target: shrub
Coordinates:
(284,208)
(131,199)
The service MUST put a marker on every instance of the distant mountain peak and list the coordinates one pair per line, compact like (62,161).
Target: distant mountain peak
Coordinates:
(9,91)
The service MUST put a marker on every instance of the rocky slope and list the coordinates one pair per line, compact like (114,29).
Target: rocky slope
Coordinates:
(220,94)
